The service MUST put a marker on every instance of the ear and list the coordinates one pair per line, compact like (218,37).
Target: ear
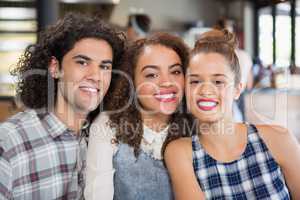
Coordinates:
(238,91)
(54,68)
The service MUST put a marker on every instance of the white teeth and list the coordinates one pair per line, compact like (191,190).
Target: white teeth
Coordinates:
(207,103)
(165,96)
(88,89)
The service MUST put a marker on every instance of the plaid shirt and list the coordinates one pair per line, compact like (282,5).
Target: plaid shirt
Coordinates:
(255,175)
(40,158)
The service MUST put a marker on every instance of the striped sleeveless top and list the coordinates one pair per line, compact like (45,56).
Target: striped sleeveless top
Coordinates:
(255,175)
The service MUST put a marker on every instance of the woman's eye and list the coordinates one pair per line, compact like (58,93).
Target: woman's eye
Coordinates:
(177,72)
(219,83)
(194,82)
(151,75)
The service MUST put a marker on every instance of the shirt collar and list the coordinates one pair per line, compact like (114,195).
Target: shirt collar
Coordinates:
(55,126)
(150,135)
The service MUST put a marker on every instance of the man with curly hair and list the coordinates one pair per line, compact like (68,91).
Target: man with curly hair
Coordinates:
(62,80)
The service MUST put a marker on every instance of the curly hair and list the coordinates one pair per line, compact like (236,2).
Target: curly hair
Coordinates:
(36,88)
(128,122)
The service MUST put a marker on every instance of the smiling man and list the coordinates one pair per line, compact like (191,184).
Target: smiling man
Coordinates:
(63,78)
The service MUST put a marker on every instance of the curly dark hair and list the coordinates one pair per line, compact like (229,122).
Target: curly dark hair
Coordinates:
(128,122)
(36,88)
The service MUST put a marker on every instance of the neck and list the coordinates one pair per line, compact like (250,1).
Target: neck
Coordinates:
(156,122)
(219,133)
(72,119)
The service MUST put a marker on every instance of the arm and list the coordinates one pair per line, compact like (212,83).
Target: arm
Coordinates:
(5,174)
(250,80)
(285,149)
(100,171)
(178,158)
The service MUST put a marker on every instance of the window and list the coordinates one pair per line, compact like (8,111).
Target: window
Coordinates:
(298,35)
(265,36)
(18,27)
(283,35)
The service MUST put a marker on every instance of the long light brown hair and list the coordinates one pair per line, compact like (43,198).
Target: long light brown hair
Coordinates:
(222,42)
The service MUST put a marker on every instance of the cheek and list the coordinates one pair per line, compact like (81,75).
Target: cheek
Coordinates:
(227,94)
(71,76)
(190,94)
(105,81)
(180,84)
(145,90)
(69,80)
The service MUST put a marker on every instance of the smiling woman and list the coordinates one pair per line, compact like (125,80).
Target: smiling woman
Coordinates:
(133,168)
(159,80)
(224,159)
(215,79)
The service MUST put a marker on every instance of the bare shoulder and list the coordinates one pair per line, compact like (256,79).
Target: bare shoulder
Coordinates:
(279,141)
(181,144)
(273,133)
(181,147)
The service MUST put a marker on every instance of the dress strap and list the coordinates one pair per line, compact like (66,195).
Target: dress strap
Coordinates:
(196,146)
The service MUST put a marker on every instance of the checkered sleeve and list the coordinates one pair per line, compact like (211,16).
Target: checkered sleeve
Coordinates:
(5,170)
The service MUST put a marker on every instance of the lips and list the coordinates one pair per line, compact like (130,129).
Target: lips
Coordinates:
(89,89)
(207,104)
(166,96)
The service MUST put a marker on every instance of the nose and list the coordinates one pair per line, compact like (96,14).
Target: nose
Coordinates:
(94,73)
(165,80)
(207,89)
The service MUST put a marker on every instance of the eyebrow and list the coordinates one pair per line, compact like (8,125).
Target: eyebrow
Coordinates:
(106,62)
(156,67)
(149,66)
(82,57)
(175,65)
(215,75)
(193,75)
(89,59)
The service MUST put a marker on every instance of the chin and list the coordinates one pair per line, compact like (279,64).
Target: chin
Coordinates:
(208,118)
(86,108)
(93,107)
(167,110)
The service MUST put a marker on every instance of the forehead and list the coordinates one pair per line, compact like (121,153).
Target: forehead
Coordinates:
(91,44)
(208,64)
(156,54)
(158,50)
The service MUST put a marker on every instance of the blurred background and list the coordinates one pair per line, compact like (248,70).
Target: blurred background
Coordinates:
(268,33)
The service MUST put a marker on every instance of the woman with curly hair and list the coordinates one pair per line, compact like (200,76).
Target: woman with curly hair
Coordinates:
(224,159)
(144,112)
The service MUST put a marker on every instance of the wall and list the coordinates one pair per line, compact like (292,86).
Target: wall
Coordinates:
(169,14)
